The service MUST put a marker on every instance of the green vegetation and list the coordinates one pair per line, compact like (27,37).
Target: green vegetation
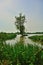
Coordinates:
(7,36)
(34,33)
(37,38)
(20,54)
(20,23)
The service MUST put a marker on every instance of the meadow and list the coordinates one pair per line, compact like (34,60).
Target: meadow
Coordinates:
(37,38)
(7,36)
(19,53)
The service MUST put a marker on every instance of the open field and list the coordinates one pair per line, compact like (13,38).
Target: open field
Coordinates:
(37,38)
(7,36)
(18,53)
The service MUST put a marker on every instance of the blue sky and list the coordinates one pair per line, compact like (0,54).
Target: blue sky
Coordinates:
(32,9)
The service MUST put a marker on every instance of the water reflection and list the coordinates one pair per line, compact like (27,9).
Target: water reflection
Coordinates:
(18,38)
(23,39)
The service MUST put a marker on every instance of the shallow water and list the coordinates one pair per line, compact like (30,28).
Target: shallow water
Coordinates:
(24,39)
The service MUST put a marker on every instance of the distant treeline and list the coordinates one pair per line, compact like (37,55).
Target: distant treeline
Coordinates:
(26,33)
(34,33)
(6,36)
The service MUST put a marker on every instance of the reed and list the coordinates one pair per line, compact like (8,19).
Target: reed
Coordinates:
(20,54)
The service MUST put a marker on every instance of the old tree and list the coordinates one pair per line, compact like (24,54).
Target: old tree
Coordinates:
(20,20)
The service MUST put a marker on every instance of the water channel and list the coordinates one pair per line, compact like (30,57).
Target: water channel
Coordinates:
(25,39)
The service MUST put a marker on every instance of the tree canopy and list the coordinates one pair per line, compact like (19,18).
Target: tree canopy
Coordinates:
(20,23)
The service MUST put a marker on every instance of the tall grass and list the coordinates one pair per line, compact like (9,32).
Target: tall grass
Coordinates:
(20,54)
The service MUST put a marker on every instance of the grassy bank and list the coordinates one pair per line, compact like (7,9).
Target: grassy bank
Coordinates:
(19,54)
(7,36)
(37,39)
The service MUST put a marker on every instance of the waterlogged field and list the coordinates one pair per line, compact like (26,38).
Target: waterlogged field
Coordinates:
(37,38)
(20,54)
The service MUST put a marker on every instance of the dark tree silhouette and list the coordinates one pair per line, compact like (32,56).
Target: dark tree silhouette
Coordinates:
(20,23)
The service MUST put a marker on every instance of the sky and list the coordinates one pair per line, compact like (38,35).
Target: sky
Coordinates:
(32,9)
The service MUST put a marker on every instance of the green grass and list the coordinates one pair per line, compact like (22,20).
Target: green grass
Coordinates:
(7,36)
(37,38)
(20,54)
